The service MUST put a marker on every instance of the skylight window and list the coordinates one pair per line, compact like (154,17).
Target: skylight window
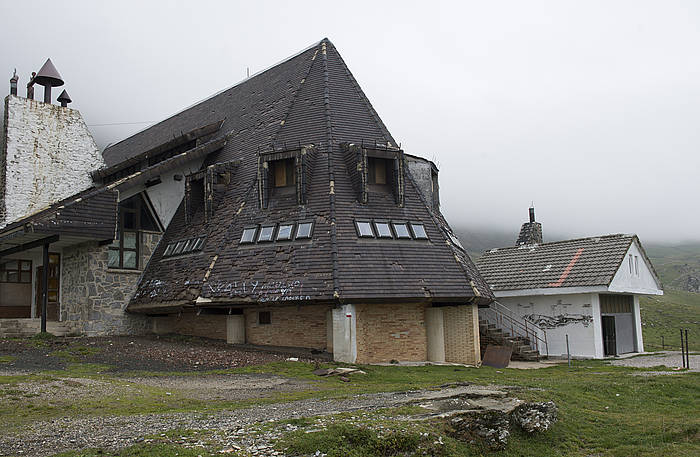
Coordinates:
(266,233)
(401,230)
(419,231)
(285,232)
(364,229)
(178,248)
(189,244)
(383,230)
(248,235)
(304,230)
(184,246)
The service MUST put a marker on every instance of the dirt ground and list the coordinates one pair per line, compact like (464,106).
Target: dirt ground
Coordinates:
(137,353)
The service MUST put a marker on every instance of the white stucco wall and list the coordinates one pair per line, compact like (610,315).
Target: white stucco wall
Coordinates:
(167,195)
(577,315)
(50,153)
(639,280)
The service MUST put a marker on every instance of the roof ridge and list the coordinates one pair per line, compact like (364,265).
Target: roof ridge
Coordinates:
(612,235)
(331,174)
(239,83)
(363,97)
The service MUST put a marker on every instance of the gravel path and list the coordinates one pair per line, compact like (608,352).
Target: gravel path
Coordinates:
(48,437)
(671,359)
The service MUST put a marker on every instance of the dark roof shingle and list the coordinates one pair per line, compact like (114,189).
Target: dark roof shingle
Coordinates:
(310,99)
(571,263)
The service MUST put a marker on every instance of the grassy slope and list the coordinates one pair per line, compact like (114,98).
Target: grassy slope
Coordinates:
(665,315)
(675,263)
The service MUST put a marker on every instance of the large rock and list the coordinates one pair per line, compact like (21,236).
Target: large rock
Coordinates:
(535,417)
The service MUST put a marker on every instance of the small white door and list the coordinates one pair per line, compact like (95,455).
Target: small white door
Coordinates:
(235,329)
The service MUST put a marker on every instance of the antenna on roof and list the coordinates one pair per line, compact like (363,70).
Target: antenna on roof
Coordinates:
(247,72)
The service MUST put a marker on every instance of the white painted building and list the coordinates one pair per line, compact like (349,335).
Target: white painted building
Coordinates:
(587,289)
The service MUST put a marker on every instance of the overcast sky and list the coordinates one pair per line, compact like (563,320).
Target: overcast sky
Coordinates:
(590,109)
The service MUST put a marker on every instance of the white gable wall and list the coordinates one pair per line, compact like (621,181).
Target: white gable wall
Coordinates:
(640,280)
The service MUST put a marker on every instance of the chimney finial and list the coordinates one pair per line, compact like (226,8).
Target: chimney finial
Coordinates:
(13,83)
(30,86)
(48,77)
(64,98)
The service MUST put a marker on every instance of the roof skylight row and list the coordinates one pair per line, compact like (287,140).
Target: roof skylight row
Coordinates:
(391,230)
(277,232)
(184,246)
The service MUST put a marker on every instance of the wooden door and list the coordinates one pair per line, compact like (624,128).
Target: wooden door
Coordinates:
(609,339)
(52,307)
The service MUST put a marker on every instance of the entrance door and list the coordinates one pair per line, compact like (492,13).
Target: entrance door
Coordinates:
(54,288)
(609,342)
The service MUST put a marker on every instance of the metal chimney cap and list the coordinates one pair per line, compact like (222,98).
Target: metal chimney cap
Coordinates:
(64,97)
(48,75)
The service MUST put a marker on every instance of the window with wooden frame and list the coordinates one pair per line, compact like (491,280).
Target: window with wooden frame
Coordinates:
(264,318)
(16,271)
(379,171)
(283,174)
(134,217)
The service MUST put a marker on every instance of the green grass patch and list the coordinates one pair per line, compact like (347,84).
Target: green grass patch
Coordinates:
(142,450)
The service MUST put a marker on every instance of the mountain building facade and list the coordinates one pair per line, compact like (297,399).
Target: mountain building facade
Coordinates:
(279,212)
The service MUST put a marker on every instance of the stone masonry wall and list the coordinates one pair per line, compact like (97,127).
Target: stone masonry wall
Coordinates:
(295,326)
(388,332)
(47,155)
(93,297)
(461,324)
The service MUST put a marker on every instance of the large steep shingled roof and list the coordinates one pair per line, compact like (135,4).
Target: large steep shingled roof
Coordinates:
(309,99)
(572,263)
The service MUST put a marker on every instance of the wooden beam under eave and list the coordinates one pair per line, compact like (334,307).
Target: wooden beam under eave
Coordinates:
(30,245)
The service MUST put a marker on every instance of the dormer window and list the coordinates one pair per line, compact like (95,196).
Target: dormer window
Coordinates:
(283,173)
(378,171)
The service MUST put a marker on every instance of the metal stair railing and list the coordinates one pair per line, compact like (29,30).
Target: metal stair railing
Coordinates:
(503,318)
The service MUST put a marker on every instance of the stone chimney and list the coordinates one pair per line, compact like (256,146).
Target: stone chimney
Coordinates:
(46,151)
(530,232)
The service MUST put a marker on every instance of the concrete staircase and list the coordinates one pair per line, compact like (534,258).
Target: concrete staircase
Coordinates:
(18,328)
(491,334)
